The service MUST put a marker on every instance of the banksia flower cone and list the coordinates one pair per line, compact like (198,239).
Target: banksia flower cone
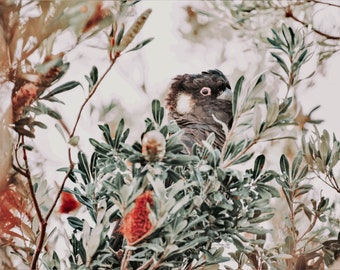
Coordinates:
(22,98)
(136,224)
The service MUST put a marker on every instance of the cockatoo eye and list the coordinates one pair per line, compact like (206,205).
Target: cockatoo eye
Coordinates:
(205,91)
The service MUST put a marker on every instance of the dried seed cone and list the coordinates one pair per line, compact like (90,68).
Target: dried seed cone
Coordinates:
(153,146)
(133,30)
(22,98)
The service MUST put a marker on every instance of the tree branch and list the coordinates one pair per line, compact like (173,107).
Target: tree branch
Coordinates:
(324,3)
(289,14)
(42,221)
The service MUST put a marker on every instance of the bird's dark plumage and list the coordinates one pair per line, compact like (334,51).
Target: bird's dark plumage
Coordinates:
(192,101)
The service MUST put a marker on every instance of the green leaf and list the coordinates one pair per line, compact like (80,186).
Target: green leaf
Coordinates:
(83,166)
(281,62)
(260,219)
(296,164)
(107,134)
(72,176)
(190,244)
(260,80)
(258,165)
(267,188)
(157,111)
(75,223)
(243,158)
(118,134)
(39,124)
(22,131)
(287,35)
(54,99)
(284,165)
(237,92)
(54,114)
(101,148)
(302,57)
(28,147)
(268,176)
(285,105)
(303,172)
(280,77)
(94,75)
(141,44)
(289,245)
(120,36)
(62,88)
(307,211)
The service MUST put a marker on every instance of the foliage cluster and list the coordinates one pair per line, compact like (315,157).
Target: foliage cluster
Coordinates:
(150,205)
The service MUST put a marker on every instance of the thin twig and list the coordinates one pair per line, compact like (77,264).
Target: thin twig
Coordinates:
(42,221)
(146,264)
(334,185)
(310,227)
(289,14)
(16,150)
(324,3)
(70,169)
(157,264)
(125,260)
(94,89)
(27,174)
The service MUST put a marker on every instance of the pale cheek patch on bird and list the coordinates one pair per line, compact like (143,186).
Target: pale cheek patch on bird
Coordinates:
(184,103)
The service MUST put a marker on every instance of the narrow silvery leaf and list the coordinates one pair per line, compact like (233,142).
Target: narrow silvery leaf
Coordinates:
(281,62)
(258,165)
(62,88)
(272,113)
(94,75)
(296,164)
(284,165)
(133,30)
(257,119)
(237,92)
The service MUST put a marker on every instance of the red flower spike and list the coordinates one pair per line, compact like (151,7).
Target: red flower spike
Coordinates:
(68,203)
(136,223)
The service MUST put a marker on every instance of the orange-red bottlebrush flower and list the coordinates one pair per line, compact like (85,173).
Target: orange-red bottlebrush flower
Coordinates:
(68,203)
(136,223)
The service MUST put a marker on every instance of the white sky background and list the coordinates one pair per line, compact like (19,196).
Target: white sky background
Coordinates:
(155,65)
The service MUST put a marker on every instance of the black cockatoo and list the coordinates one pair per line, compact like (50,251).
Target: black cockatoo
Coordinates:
(192,101)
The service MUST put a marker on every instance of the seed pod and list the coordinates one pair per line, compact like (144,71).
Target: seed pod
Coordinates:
(133,31)
(153,146)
